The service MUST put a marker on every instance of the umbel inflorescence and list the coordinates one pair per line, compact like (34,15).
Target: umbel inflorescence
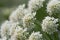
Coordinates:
(22,21)
(53,6)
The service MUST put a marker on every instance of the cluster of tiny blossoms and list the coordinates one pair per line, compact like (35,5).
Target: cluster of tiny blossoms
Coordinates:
(49,25)
(53,6)
(34,5)
(20,21)
(36,36)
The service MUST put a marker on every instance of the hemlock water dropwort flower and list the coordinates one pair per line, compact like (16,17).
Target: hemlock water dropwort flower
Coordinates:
(5,29)
(34,5)
(12,28)
(49,25)
(8,28)
(53,6)
(36,36)
(19,34)
(28,20)
(17,15)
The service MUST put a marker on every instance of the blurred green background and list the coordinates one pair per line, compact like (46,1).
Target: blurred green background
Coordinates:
(7,6)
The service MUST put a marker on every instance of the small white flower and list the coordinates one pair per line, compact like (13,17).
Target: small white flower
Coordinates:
(17,15)
(28,20)
(53,7)
(19,34)
(5,28)
(34,5)
(12,28)
(35,36)
(8,28)
(49,25)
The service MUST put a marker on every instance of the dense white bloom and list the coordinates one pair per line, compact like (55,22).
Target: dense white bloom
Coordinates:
(12,28)
(19,34)
(8,28)
(49,24)
(53,7)
(36,36)
(17,15)
(28,20)
(34,5)
(5,28)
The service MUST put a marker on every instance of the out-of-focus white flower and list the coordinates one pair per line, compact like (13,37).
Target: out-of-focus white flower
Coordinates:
(36,36)
(17,15)
(34,5)
(8,28)
(53,7)
(19,34)
(12,28)
(49,25)
(5,28)
(28,20)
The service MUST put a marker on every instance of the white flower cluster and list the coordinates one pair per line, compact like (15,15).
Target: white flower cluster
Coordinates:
(53,6)
(19,21)
(27,20)
(22,16)
(19,34)
(5,28)
(8,28)
(36,36)
(49,25)
(17,15)
(13,30)
(34,5)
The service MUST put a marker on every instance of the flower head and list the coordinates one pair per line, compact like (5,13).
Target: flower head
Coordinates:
(35,36)
(12,28)
(53,7)
(28,20)
(5,28)
(8,28)
(19,34)
(17,15)
(34,5)
(49,25)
